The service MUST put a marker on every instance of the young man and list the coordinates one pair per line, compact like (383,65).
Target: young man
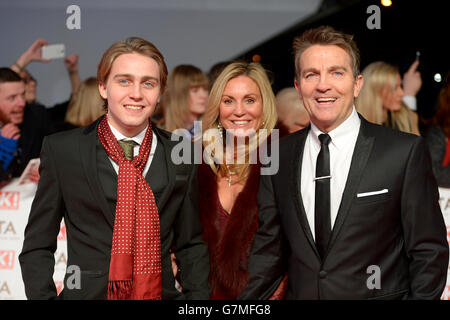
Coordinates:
(123,214)
(22,128)
(356,202)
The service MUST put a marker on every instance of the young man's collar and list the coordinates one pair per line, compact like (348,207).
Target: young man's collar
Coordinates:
(139,138)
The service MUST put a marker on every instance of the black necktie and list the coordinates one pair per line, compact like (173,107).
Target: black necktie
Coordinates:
(322,202)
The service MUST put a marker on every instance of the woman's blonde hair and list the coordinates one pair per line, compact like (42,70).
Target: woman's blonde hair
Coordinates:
(211,118)
(86,105)
(175,101)
(377,76)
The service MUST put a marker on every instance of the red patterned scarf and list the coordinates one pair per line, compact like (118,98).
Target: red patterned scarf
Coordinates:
(135,268)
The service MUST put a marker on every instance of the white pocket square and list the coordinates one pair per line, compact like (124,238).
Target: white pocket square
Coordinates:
(372,193)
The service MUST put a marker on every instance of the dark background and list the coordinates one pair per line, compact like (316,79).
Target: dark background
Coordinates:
(406,27)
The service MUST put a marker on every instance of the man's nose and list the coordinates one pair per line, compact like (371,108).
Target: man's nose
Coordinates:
(323,84)
(136,91)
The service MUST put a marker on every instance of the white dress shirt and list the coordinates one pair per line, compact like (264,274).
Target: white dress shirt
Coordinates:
(343,141)
(139,138)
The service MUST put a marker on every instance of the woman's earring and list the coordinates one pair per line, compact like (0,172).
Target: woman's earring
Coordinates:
(220,128)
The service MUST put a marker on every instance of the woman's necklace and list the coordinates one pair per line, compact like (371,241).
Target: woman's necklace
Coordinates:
(230,174)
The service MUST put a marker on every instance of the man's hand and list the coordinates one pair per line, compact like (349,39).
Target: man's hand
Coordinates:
(10,131)
(33,53)
(412,81)
(174,265)
(71,63)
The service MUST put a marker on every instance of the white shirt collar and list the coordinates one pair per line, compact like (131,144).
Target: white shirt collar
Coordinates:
(139,138)
(339,136)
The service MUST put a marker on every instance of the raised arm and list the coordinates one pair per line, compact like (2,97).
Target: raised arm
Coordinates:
(33,53)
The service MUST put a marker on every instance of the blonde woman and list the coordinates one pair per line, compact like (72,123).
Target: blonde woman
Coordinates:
(241,104)
(185,99)
(380,100)
(86,105)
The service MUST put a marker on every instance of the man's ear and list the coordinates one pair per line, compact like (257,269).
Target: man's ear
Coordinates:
(102,89)
(358,85)
(297,87)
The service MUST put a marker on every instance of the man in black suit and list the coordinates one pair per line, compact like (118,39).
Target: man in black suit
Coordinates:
(354,206)
(121,227)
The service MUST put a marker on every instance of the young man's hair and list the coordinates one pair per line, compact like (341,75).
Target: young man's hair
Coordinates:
(326,36)
(8,75)
(132,45)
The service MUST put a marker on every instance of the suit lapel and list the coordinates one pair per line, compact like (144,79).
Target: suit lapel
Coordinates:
(88,154)
(156,176)
(363,147)
(296,167)
(171,168)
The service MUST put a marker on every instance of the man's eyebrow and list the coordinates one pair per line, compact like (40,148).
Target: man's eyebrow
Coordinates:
(334,67)
(150,78)
(123,75)
(309,70)
(12,95)
(126,75)
(337,67)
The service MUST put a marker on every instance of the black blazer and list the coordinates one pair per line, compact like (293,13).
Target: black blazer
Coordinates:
(402,231)
(79,183)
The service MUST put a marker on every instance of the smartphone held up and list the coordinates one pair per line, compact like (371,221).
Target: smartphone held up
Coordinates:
(53,51)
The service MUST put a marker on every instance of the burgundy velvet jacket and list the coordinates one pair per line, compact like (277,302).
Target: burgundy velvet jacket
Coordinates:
(229,248)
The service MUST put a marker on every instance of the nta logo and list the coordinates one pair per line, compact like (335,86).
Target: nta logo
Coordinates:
(7,228)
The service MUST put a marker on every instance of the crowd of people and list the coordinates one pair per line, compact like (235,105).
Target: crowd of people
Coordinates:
(353,187)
